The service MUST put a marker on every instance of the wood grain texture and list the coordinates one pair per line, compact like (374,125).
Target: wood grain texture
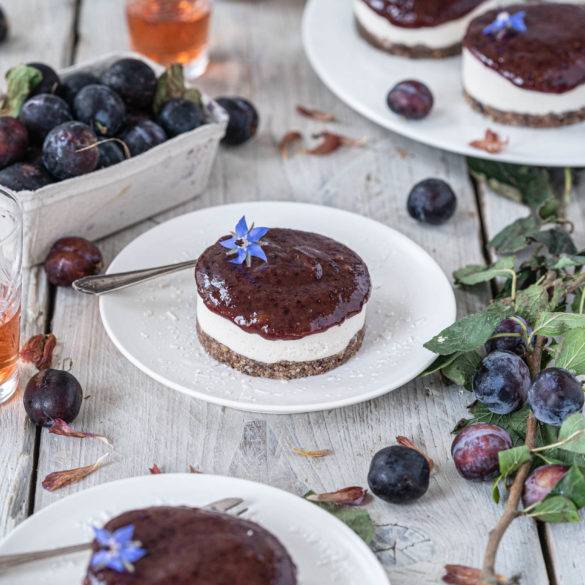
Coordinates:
(565,546)
(32,38)
(257,53)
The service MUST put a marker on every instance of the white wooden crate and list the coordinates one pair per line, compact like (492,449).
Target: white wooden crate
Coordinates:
(107,200)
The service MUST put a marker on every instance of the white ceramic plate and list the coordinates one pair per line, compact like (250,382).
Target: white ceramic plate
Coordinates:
(325,551)
(153,325)
(361,76)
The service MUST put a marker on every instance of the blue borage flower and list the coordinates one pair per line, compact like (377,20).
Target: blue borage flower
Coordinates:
(245,243)
(505,22)
(118,551)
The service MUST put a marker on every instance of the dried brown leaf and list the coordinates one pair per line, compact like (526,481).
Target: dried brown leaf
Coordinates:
(38,350)
(59,479)
(317,115)
(193,469)
(60,427)
(406,442)
(462,575)
(330,142)
(287,140)
(491,142)
(316,453)
(349,496)
(155,469)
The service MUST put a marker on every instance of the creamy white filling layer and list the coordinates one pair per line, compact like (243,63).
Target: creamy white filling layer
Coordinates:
(251,345)
(435,37)
(493,90)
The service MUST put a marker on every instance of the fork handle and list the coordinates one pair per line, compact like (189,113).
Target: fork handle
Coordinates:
(105,283)
(8,561)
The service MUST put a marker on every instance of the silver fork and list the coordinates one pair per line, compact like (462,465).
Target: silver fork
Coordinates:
(9,561)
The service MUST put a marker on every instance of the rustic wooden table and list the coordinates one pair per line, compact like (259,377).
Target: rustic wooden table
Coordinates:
(257,52)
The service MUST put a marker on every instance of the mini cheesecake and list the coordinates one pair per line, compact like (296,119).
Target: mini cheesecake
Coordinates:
(532,77)
(191,546)
(417,28)
(301,312)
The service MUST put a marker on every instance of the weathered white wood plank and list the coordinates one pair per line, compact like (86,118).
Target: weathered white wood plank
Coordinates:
(565,546)
(33,37)
(258,53)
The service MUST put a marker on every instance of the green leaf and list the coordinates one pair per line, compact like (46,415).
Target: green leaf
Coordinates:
(572,353)
(529,185)
(557,240)
(475,274)
(569,261)
(470,332)
(463,368)
(441,362)
(572,486)
(512,459)
(171,84)
(515,237)
(572,434)
(496,489)
(20,81)
(357,518)
(531,301)
(555,509)
(553,324)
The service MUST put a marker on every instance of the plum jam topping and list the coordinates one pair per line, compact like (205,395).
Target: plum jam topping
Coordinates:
(310,283)
(548,57)
(421,13)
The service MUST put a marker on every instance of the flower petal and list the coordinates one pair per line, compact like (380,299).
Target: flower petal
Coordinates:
(102,536)
(131,555)
(256,250)
(241,227)
(116,564)
(257,233)
(101,558)
(124,535)
(230,243)
(240,258)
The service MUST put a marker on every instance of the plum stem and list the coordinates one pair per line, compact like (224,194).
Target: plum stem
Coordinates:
(488,572)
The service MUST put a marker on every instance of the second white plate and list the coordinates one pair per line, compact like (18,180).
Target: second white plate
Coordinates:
(361,76)
(153,325)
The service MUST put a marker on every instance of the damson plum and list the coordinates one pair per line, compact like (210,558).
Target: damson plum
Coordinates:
(516,326)
(475,450)
(133,80)
(72,258)
(73,83)
(143,136)
(432,201)
(541,482)
(4,28)
(43,112)
(52,394)
(399,474)
(13,141)
(502,382)
(554,395)
(100,108)
(243,120)
(178,116)
(49,83)
(68,152)
(410,99)
(110,154)
(24,176)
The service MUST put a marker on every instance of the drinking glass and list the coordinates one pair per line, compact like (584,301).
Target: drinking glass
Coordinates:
(171,31)
(10,292)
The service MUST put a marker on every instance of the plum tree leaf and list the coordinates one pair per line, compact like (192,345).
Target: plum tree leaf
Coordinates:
(20,81)
(569,261)
(572,486)
(441,362)
(463,368)
(571,355)
(531,301)
(555,509)
(476,274)
(515,237)
(557,240)
(553,324)
(470,332)
(572,434)
(171,84)
(512,459)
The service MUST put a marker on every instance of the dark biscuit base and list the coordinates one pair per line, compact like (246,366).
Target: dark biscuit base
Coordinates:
(279,370)
(416,52)
(532,120)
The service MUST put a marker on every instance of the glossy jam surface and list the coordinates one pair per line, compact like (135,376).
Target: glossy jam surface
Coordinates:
(548,57)
(188,545)
(420,13)
(310,283)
